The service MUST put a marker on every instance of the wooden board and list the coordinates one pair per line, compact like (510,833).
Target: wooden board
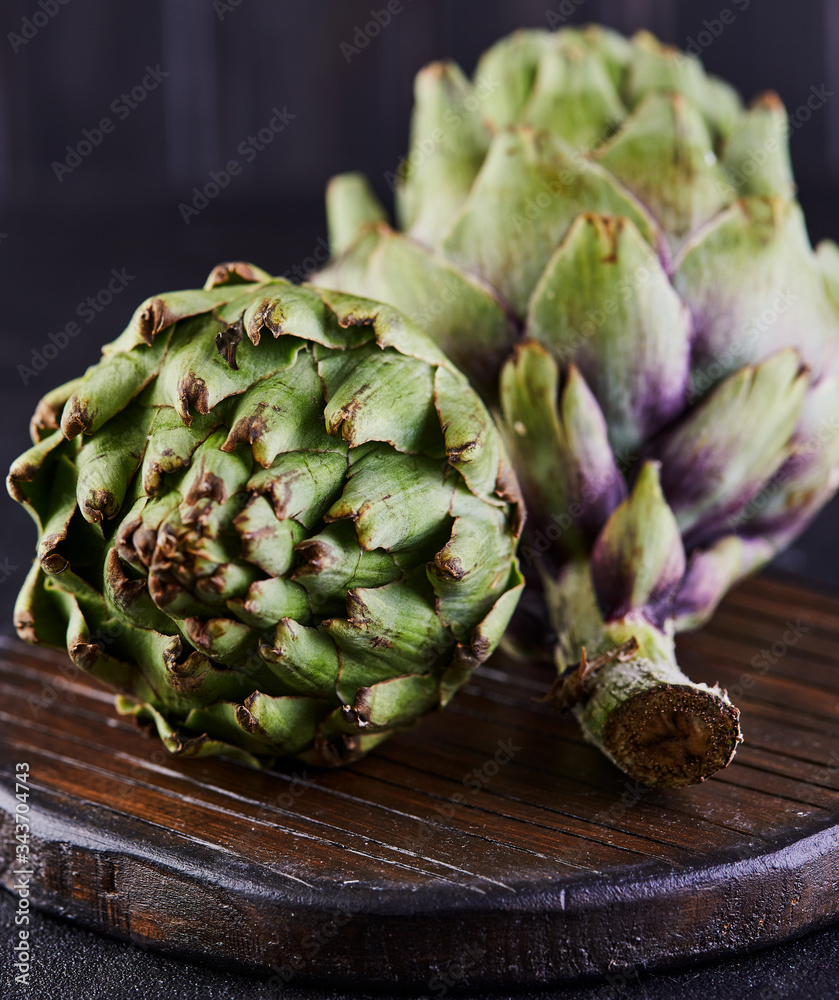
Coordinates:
(489,846)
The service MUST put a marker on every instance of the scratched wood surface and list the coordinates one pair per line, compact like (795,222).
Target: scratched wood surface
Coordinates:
(489,846)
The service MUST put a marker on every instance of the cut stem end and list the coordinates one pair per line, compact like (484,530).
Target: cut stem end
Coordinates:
(673,735)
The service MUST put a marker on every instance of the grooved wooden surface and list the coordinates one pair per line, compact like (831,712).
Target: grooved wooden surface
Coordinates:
(488,846)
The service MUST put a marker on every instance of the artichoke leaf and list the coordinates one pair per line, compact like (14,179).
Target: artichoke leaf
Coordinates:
(638,560)
(351,209)
(396,501)
(718,458)
(633,346)
(530,190)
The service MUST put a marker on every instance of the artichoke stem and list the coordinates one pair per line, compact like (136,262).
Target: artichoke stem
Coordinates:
(649,718)
(623,684)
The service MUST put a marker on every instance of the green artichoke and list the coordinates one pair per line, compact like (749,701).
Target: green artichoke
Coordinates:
(276,520)
(608,243)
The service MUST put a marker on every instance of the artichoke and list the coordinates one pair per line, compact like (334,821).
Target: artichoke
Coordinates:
(275,520)
(608,243)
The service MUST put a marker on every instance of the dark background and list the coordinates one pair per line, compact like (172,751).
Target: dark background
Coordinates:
(229,65)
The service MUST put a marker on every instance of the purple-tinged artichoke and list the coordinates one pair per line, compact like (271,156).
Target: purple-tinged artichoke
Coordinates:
(276,520)
(608,243)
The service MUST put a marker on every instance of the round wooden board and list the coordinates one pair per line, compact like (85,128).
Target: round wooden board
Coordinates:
(489,846)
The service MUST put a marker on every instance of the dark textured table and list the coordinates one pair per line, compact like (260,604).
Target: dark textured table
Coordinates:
(750,856)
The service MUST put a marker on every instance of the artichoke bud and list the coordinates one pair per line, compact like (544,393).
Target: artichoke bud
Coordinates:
(626,275)
(243,516)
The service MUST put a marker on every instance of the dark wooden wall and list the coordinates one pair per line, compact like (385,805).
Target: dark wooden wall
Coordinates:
(229,68)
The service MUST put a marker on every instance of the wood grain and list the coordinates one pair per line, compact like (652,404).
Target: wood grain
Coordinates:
(489,846)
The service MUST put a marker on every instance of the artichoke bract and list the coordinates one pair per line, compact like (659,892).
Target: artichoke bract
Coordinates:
(275,520)
(608,242)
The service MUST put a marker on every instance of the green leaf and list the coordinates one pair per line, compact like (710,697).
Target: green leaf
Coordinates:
(196,377)
(687,186)
(351,207)
(172,444)
(266,541)
(808,478)
(334,563)
(720,456)
(281,414)
(160,312)
(752,283)
(530,190)
(287,723)
(472,570)
(655,68)
(506,73)
(39,616)
(488,633)
(107,462)
(563,455)
(394,703)
(181,744)
(756,155)
(222,639)
(605,304)
(384,396)
(392,630)
(397,501)
(302,485)
(214,487)
(62,507)
(304,660)
(448,143)
(638,559)
(458,311)
(472,443)
(30,481)
(269,601)
(574,96)
(109,386)
(47,416)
